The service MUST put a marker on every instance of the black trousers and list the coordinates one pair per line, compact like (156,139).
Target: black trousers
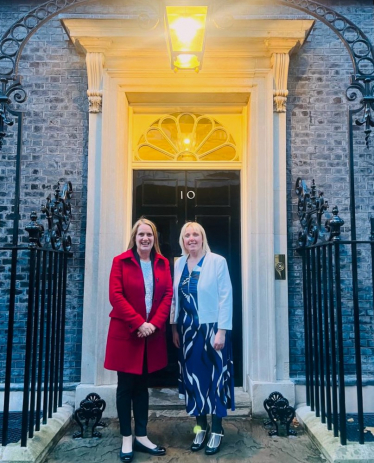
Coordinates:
(133,388)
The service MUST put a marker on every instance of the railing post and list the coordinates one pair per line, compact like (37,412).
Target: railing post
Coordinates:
(310,329)
(315,334)
(320,336)
(63,320)
(29,336)
(53,336)
(58,332)
(48,343)
(326,337)
(41,339)
(339,321)
(356,324)
(35,348)
(306,321)
(333,342)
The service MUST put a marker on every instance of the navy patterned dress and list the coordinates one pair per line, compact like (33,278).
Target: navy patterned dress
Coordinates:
(206,377)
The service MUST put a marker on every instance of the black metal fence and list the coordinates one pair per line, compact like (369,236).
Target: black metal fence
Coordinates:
(338,297)
(44,325)
(33,288)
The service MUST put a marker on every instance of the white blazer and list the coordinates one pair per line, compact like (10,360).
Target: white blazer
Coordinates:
(214,291)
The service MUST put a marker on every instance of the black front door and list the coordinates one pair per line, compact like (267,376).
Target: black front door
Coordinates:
(211,198)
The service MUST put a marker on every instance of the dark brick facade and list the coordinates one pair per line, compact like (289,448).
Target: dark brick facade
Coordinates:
(55,149)
(318,149)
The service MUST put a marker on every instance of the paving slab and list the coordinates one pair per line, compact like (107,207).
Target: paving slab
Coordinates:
(329,445)
(245,440)
(43,440)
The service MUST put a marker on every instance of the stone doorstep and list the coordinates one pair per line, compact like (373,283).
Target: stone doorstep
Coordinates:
(43,441)
(329,445)
(162,402)
(167,399)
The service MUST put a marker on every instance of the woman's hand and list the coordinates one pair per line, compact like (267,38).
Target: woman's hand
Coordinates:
(219,340)
(176,340)
(146,329)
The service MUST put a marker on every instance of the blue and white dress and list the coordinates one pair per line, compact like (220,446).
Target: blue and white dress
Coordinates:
(206,377)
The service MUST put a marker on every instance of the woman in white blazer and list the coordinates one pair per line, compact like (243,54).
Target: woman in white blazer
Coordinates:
(201,317)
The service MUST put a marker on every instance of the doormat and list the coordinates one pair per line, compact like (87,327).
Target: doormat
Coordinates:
(352,427)
(14,426)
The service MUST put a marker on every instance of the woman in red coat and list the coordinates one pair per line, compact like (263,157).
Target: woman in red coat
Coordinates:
(140,292)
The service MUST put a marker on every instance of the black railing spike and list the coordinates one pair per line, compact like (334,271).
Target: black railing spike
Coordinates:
(35,231)
(334,225)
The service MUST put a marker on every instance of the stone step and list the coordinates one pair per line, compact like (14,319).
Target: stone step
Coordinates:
(166,402)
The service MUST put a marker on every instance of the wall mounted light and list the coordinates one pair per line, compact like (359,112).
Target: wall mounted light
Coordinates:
(185,29)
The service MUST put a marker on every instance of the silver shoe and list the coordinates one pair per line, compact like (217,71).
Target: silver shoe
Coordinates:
(200,439)
(214,443)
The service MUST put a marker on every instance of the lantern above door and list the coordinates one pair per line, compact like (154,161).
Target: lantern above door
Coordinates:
(185,30)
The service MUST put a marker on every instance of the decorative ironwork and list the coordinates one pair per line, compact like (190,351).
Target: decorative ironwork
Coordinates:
(360,50)
(35,231)
(310,209)
(333,225)
(357,43)
(91,408)
(280,412)
(15,38)
(11,90)
(366,89)
(58,214)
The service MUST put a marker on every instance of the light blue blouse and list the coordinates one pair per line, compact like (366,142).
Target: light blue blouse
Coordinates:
(148,284)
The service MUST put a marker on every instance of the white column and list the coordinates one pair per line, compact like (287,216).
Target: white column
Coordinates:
(94,62)
(280,62)
(267,322)
(107,208)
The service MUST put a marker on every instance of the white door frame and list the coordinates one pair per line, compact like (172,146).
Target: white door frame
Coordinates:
(265,330)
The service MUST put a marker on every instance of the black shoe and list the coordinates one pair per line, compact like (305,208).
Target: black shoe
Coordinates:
(214,443)
(156,452)
(200,439)
(126,457)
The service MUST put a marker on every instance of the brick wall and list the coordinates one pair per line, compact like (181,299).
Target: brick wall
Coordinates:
(318,149)
(54,149)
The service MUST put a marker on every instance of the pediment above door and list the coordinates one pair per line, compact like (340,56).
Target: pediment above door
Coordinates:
(246,43)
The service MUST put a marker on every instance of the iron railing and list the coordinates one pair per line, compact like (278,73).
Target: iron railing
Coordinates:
(34,288)
(338,298)
(334,320)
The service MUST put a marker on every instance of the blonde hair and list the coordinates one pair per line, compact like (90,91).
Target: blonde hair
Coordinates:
(134,231)
(197,227)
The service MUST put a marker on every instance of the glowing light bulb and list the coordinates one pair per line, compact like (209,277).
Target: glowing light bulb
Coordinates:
(186,61)
(186,141)
(186,29)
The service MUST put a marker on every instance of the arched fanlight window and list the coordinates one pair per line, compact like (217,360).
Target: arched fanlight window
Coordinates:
(186,137)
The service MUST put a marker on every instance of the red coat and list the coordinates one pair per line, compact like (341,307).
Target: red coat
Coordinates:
(124,350)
